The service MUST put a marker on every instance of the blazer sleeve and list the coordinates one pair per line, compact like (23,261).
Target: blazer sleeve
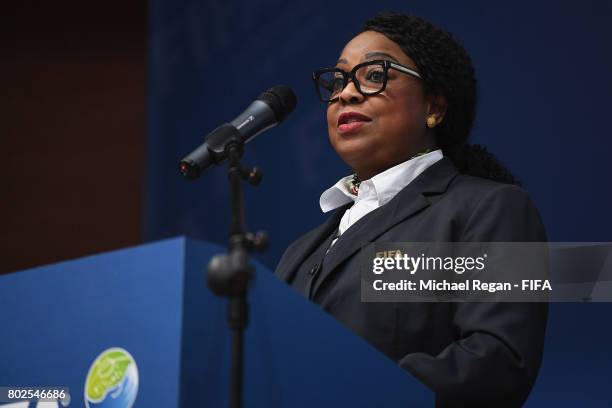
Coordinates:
(496,357)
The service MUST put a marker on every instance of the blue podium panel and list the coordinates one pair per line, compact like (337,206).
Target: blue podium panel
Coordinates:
(140,323)
(57,319)
(296,355)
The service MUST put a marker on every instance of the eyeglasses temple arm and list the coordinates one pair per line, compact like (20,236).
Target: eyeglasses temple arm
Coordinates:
(404,69)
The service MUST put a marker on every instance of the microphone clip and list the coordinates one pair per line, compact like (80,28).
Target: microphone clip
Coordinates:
(217,147)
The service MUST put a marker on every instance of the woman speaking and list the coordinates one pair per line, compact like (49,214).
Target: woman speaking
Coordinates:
(401,101)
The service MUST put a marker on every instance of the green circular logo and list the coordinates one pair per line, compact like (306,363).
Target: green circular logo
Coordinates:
(112,380)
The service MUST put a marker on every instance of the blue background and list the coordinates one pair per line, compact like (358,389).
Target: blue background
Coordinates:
(544,80)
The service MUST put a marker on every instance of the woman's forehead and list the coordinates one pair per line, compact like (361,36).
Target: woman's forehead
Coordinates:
(372,45)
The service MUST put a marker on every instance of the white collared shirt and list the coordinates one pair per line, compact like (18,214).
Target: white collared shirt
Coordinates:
(375,192)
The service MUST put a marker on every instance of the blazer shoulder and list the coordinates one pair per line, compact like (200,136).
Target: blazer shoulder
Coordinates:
(479,186)
(497,211)
(472,192)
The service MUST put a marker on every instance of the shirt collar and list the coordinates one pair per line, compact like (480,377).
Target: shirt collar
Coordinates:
(385,185)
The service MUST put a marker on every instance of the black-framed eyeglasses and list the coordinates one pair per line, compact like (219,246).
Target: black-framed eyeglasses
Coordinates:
(370,78)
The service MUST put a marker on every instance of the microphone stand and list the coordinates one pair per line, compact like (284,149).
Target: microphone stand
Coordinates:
(229,274)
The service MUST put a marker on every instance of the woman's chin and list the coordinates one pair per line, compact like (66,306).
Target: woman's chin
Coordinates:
(354,156)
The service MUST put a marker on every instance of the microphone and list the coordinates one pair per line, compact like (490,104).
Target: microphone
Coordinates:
(268,110)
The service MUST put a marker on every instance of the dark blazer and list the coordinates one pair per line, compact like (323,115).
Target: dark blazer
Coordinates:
(469,354)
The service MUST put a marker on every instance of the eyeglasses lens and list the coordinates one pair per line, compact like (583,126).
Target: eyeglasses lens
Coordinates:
(371,80)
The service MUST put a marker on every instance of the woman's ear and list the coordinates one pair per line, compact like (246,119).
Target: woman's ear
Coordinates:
(436,109)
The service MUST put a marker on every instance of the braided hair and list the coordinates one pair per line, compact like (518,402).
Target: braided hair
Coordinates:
(447,70)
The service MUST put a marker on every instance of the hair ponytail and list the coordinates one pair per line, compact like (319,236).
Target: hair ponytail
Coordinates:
(475,160)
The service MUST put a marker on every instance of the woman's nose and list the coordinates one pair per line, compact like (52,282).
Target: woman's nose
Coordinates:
(350,94)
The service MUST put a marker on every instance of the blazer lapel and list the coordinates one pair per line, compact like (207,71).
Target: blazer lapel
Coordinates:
(408,202)
(303,248)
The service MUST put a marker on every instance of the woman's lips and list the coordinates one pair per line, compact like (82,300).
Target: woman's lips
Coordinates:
(349,122)
(351,126)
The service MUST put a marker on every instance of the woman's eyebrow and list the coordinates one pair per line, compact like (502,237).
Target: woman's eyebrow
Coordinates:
(370,55)
(380,54)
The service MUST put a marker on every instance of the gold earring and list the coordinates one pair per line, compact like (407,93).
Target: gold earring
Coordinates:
(431,121)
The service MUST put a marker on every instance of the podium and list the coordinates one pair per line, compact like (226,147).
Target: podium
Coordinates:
(141,323)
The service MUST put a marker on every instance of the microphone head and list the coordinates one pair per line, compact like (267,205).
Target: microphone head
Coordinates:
(281,99)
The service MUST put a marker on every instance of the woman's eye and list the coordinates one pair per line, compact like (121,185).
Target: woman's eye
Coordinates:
(337,83)
(375,76)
